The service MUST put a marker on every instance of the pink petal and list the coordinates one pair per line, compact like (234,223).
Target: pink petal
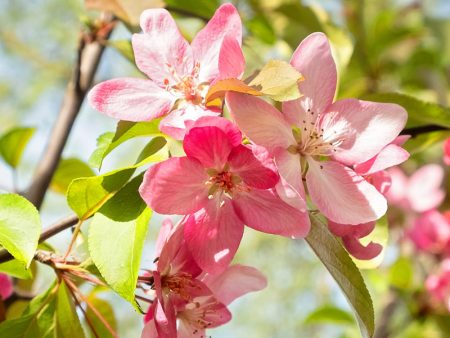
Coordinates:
(178,121)
(381,180)
(163,235)
(389,156)
(424,192)
(401,140)
(175,256)
(208,42)
(175,186)
(350,238)
(447,151)
(131,99)
(213,235)
(150,330)
(233,133)
(342,195)
(161,52)
(431,232)
(236,281)
(313,59)
(359,251)
(265,211)
(260,121)
(397,192)
(231,59)
(209,145)
(188,330)
(367,126)
(290,187)
(244,164)
(6,286)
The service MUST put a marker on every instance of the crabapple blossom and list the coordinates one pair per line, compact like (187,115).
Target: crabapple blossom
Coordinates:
(198,301)
(431,232)
(179,73)
(222,185)
(6,286)
(420,192)
(319,141)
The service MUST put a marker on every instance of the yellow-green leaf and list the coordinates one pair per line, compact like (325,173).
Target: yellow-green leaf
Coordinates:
(278,80)
(13,143)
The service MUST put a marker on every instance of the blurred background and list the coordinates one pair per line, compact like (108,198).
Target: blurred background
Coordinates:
(381,46)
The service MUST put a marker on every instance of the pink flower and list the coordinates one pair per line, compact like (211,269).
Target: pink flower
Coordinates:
(179,74)
(447,151)
(420,192)
(222,185)
(438,285)
(198,301)
(431,232)
(321,140)
(173,280)
(6,286)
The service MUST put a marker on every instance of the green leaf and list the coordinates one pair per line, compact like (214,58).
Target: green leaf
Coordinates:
(20,227)
(153,147)
(344,271)
(67,321)
(279,80)
(423,142)
(401,273)
(124,48)
(419,112)
(261,27)
(329,314)
(37,321)
(106,311)
(86,195)
(203,8)
(16,269)
(379,235)
(13,143)
(124,219)
(68,170)
(125,130)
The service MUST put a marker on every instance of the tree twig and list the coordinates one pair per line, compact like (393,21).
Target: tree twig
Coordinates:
(415,131)
(383,328)
(54,229)
(187,13)
(90,51)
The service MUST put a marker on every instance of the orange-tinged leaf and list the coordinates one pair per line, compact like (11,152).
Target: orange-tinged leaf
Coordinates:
(218,90)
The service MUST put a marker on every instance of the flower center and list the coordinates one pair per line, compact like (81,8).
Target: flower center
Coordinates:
(224,182)
(187,87)
(198,312)
(180,284)
(314,138)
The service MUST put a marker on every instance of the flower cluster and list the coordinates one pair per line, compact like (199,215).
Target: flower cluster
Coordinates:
(265,169)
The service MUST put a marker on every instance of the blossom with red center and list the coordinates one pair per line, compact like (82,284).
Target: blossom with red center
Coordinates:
(179,73)
(222,185)
(420,192)
(197,301)
(319,141)
(6,286)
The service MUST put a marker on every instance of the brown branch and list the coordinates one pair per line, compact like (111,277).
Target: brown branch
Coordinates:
(383,327)
(415,131)
(54,229)
(90,51)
